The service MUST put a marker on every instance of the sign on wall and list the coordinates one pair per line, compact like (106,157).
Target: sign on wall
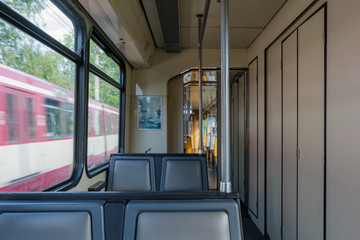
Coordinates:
(149,112)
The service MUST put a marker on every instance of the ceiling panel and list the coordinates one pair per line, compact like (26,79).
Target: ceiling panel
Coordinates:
(242,13)
(238,37)
(252,13)
(247,18)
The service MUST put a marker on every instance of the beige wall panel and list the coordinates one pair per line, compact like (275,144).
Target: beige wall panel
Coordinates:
(273,147)
(343,108)
(287,14)
(86,182)
(153,82)
(311,129)
(175,117)
(234,109)
(343,118)
(241,118)
(128,106)
(253,138)
(289,171)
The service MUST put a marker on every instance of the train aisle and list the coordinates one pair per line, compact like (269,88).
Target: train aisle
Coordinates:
(251,232)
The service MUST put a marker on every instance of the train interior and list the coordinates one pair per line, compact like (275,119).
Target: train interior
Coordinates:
(261,93)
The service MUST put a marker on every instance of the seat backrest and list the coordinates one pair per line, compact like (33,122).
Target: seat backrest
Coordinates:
(183,174)
(131,173)
(182,219)
(43,220)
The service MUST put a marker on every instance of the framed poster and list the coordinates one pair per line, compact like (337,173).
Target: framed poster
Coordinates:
(149,112)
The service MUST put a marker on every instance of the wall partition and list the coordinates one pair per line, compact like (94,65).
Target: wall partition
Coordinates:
(295,131)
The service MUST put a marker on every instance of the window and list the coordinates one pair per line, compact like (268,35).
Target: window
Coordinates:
(103,62)
(40,62)
(104,101)
(45,15)
(37,82)
(104,104)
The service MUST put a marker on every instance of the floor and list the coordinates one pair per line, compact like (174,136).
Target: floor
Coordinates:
(251,232)
(212,178)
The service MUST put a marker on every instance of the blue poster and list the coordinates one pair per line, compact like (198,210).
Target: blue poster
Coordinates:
(149,112)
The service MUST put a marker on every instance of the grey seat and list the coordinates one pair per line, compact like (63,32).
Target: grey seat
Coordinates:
(183,174)
(44,220)
(129,173)
(182,219)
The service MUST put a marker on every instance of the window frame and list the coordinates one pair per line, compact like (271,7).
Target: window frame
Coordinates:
(80,57)
(18,21)
(101,42)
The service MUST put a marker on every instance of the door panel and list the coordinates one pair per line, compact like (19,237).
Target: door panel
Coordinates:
(311,128)
(289,171)
(234,136)
(242,135)
(273,139)
(253,138)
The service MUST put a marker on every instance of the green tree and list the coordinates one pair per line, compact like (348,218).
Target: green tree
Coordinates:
(108,94)
(18,50)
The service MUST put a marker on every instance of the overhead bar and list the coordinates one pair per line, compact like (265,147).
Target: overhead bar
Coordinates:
(206,11)
(201,31)
(199,16)
(225,181)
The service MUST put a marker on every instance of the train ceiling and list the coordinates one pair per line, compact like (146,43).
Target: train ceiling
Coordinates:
(138,27)
(174,24)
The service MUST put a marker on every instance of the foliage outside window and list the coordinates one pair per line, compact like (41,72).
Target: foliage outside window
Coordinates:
(102,61)
(45,15)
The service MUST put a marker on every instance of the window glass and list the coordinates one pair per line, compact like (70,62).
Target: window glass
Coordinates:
(13,118)
(24,53)
(102,61)
(104,101)
(68,113)
(97,123)
(29,109)
(37,85)
(53,124)
(89,123)
(45,15)
(109,123)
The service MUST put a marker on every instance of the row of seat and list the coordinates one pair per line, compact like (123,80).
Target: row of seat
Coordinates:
(157,172)
(149,219)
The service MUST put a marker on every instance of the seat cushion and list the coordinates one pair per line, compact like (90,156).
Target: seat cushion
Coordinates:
(183,175)
(45,226)
(183,225)
(182,219)
(131,175)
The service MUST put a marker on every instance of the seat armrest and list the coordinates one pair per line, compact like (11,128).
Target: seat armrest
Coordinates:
(97,187)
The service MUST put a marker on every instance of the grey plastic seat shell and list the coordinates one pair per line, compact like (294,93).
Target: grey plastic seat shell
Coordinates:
(182,219)
(55,220)
(183,174)
(131,174)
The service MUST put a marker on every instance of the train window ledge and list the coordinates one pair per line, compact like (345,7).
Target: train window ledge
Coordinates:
(97,170)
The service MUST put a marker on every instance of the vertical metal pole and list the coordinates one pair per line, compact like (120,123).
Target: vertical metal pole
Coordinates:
(225,183)
(199,16)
